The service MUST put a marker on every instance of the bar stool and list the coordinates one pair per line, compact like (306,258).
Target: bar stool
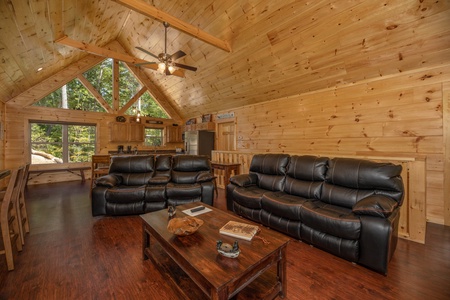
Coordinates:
(9,221)
(100,166)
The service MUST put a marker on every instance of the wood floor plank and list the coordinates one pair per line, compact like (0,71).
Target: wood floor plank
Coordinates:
(71,255)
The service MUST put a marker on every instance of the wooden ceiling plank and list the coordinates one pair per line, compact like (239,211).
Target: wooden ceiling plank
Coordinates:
(110,53)
(45,87)
(151,11)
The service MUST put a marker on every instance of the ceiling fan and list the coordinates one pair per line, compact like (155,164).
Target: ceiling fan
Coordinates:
(167,62)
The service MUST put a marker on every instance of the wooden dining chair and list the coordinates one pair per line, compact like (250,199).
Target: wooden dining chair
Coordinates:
(100,166)
(9,221)
(22,215)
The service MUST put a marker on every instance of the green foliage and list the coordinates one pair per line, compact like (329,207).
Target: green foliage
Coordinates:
(150,108)
(78,98)
(128,85)
(101,78)
(153,136)
(80,140)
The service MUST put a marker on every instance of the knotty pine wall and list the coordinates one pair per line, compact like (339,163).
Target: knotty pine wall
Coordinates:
(18,144)
(392,116)
(2,135)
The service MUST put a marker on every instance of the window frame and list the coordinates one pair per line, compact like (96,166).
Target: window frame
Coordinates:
(64,138)
(154,128)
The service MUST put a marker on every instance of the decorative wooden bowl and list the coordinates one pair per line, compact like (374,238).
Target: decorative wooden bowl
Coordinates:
(184,226)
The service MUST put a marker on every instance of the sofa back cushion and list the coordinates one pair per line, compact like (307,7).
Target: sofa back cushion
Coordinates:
(350,180)
(270,170)
(163,166)
(305,176)
(135,170)
(186,168)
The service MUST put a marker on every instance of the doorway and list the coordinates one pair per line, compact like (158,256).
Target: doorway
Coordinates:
(225,138)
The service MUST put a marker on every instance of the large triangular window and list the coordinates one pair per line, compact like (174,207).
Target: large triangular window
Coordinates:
(73,95)
(97,83)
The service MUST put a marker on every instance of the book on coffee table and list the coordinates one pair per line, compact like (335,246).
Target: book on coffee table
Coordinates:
(239,230)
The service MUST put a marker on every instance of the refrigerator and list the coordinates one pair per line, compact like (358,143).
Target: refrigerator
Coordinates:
(199,142)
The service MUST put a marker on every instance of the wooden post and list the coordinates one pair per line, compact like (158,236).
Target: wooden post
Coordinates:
(446,139)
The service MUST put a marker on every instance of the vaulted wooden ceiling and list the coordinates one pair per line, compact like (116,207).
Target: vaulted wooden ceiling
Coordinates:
(278,48)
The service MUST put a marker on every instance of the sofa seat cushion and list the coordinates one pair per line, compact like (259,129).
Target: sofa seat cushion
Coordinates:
(159,180)
(283,205)
(155,193)
(334,220)
(125,194)
(249,197)
(118,209)
(176,202)
(174,190)
(347,249)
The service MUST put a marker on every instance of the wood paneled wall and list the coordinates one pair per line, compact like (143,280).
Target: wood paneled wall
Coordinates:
(398,116)
(2,135)
(17,148)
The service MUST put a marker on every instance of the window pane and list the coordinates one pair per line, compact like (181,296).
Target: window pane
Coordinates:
(48,144)
(71,96)
(100,77)
(128,86)
(46,133)
(153,136)
(81,134)
(81,152)
(150,108)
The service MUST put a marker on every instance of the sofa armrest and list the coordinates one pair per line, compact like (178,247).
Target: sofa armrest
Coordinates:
(205,177)
(109,180)
(244,180)
(375,205)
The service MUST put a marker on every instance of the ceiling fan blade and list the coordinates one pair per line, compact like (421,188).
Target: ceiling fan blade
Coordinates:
(146,63)
(177,55)
(149,53)
(185,67)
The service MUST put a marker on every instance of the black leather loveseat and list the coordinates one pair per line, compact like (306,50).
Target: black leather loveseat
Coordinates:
(348,207)
(140,184)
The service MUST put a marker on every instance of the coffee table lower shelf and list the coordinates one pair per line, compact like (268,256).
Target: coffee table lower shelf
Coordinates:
(265,287)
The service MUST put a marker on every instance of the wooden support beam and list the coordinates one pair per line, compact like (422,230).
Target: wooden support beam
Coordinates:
(446,138)
(110,53)
(115,84)
(95,93)
(156,92)
(132,100)
(152,12)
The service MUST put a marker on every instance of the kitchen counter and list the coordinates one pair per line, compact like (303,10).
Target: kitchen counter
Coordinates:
(146,152)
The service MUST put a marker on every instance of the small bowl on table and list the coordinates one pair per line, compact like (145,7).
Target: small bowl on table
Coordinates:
(184,226)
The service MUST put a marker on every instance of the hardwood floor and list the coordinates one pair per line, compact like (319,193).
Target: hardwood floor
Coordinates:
(71,255)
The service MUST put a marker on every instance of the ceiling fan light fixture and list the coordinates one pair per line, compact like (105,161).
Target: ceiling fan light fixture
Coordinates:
(171,69)
(161,67)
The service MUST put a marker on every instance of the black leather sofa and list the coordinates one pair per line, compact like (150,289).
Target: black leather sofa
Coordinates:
(348,207)
(140,184)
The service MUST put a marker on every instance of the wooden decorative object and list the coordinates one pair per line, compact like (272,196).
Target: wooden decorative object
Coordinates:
(184,226)
(191,121)
(206,118)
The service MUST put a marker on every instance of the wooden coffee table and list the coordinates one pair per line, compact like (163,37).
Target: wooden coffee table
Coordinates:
(217,276)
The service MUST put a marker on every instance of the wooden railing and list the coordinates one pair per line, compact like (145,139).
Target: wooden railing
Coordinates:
(412,225)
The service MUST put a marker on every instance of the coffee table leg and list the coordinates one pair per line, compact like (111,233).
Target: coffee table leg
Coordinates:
(281,272)
(145,241)
(220,294)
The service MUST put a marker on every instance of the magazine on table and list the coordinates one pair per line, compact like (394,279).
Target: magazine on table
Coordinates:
(239,230)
